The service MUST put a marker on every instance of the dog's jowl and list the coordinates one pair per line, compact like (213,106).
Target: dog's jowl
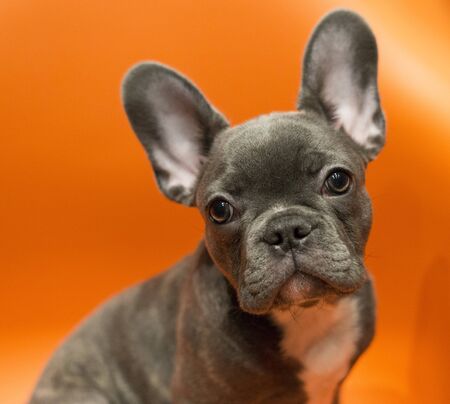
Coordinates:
(275,305)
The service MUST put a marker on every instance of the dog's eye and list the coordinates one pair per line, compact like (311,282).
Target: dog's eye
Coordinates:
(220,211)
(338,182)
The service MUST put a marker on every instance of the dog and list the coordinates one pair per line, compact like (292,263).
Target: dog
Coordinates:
(275,305)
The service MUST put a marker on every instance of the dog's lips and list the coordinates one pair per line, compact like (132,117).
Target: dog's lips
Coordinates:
(300,289)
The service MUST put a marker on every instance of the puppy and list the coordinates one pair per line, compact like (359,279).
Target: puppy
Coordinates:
(275,305)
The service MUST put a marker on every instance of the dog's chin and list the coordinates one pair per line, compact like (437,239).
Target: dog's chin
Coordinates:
(303,290)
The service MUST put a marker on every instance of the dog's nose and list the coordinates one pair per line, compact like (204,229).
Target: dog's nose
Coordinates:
(286,232)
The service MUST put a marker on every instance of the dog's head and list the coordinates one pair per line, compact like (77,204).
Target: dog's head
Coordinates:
(283,196)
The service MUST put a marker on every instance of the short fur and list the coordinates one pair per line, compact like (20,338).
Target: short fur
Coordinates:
(275,305)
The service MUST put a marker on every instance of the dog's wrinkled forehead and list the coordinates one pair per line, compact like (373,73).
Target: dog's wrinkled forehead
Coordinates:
(275,152)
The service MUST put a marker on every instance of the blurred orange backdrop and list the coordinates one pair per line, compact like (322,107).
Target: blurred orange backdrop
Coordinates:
(81,217)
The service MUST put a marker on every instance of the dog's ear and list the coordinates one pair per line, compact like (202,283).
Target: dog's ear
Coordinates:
(175,124)
(340,79)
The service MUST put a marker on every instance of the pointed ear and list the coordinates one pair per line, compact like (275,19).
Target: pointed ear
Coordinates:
(175,124)
(340,79)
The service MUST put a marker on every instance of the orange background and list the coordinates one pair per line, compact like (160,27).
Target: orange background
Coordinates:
(81,217)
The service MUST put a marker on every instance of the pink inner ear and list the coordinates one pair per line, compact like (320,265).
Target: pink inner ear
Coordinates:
(177,152)
(354,108)
(341,72)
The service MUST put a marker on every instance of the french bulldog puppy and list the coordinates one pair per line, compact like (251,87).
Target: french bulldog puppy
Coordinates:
(275,305)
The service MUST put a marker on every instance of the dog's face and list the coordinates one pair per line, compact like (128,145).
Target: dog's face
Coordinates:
(287,215)
(283,196)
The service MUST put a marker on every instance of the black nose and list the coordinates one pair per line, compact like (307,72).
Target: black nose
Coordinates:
(286,232)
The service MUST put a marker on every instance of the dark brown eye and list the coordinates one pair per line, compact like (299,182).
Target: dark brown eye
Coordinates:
(220,211)
(338,182)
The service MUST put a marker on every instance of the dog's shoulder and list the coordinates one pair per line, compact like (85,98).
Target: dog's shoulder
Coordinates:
(105,354)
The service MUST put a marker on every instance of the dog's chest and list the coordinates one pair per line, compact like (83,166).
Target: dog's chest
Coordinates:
(324,340)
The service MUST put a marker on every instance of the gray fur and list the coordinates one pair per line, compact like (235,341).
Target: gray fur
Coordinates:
(202,332)
(153,94)
(340,74)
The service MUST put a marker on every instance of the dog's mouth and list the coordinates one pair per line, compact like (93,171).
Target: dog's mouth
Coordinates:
(312,273)
(303,290)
